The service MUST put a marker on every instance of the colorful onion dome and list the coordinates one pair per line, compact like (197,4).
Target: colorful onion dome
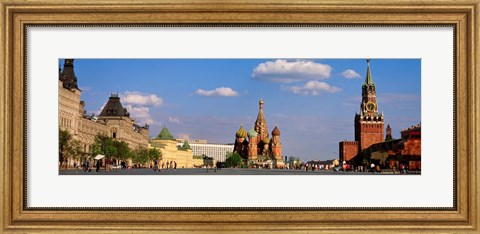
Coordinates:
(241,133)
(266,140)
(276,132)
(252,133)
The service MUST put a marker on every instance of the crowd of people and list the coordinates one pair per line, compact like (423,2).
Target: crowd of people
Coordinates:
(111,164)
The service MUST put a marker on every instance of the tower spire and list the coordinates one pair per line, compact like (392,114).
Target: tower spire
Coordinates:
(67,75)
(261,123)
(368,78)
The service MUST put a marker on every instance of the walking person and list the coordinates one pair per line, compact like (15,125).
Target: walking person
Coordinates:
(174,165)
(107,164)
(155,165)
(84,165)
(99,164)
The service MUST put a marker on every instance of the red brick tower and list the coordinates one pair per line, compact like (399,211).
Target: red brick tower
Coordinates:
(369,123)
(388,135)
(276,144)
(252,144)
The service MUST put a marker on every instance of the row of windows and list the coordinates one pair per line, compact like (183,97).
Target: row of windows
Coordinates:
(412,136)
(65,122)
(66,113)
(218,152)
(69,95)
(415,136)
(90,129)
(372,125)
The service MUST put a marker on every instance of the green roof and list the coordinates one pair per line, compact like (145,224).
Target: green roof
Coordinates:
(165,135)
(186,145)
(368,77)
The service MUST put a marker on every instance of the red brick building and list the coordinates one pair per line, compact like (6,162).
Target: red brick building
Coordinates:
(409,150)
(348,150)
(368,123)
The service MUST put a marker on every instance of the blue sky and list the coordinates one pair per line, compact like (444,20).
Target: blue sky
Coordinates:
(312,101)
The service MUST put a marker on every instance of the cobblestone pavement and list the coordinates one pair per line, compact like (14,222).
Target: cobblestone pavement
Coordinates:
(204,171)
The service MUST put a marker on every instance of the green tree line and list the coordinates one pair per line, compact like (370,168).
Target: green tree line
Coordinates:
(70,149)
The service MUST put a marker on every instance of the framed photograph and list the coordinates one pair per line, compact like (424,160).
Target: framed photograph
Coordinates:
(240,116)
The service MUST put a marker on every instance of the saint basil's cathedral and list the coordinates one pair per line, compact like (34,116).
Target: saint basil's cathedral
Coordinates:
(256,146)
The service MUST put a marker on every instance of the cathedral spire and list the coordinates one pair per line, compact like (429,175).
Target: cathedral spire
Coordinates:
(261,116)
(261,123)
(368,77)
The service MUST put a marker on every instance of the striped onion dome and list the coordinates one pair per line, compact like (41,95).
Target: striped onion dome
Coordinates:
(241,133)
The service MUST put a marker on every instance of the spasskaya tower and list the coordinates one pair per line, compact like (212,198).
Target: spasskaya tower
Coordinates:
(369,122)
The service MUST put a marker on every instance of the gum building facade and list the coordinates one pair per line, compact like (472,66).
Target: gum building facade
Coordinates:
(114,120)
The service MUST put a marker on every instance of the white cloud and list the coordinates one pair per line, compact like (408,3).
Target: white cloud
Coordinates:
(313,88)
(142,99)
(101,108)
(284,71)
(350,74)
(86,88)
(173,120)
(222,91)
(184,136)
(141,114)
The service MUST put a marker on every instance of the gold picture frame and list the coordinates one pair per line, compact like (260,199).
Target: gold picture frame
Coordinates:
(462,14)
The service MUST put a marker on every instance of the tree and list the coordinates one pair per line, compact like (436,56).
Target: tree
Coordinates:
(63,140)
(101,143)
(110,151)
(140,155)
(233,159)
(123,151)
(154,153)
(68,147)
(388,137)
(296,162)
(292,159)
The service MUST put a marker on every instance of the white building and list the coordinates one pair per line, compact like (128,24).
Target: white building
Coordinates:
(194,141)
(216,151)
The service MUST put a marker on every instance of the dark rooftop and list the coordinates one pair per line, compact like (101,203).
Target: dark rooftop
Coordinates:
(114,107)
(67,75)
